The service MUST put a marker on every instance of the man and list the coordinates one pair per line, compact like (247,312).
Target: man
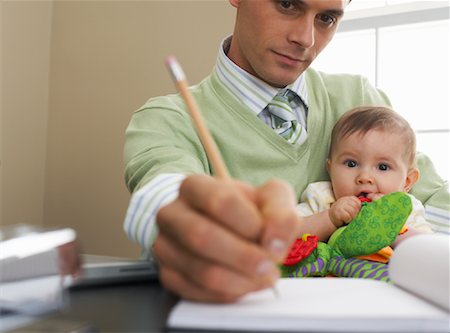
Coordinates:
(218,240)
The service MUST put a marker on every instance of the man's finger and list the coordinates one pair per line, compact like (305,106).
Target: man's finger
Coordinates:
(195,278)
(225,202)
(277,204)
(201,237)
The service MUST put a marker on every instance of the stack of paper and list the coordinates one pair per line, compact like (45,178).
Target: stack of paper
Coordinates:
(30,281)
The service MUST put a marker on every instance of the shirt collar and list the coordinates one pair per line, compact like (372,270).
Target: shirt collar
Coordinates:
(248,89)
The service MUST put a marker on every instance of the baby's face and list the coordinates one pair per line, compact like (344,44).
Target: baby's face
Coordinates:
(370,163)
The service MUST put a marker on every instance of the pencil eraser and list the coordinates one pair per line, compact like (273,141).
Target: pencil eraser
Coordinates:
(175,68)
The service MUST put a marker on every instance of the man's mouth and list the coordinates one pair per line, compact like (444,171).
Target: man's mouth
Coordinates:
(289,58)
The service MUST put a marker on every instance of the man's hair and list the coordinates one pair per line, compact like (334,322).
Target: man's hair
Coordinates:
(362,119)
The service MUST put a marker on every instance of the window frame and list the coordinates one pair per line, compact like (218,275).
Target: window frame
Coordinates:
(393,15)
(387,15)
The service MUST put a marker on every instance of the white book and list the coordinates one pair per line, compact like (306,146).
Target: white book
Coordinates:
(417,301)
(32,255)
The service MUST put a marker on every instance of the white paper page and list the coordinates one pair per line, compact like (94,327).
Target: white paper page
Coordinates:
(421,264)
(27,245)
(32,296)
(317,304)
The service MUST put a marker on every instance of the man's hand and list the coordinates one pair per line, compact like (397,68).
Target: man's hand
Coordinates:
(344,210)
(222,239)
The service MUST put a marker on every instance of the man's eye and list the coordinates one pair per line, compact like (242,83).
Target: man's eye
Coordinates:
(383,167)
(350,163)
(326,19)
(286,4)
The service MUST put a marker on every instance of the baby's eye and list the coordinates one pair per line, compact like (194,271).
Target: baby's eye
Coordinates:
(351,163)
(383,167)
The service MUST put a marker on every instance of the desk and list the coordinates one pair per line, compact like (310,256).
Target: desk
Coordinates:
(133,307)
(137,307)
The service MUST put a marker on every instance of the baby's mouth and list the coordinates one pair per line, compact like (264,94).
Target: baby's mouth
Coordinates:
(363,197)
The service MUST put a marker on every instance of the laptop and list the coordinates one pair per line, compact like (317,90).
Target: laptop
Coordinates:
(105,270)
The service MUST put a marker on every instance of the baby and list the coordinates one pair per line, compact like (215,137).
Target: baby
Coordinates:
(372,153)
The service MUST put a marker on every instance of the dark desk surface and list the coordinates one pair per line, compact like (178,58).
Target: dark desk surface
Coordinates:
(137,307)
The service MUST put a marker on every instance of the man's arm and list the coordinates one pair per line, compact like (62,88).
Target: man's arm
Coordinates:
(213,240)
(140,220)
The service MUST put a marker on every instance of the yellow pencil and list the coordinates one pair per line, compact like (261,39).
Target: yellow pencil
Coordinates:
(202,130)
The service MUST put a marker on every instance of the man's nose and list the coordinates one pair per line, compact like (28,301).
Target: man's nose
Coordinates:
(302,32)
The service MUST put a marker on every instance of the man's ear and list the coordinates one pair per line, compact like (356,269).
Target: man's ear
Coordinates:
(411,178)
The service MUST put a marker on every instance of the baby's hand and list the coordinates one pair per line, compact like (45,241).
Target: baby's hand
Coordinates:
(344,210)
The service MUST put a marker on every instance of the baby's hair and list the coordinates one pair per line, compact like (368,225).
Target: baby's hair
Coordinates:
(362,119)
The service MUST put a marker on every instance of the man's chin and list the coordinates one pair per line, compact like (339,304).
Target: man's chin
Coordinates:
(282,81)
(289,75)
(280,75)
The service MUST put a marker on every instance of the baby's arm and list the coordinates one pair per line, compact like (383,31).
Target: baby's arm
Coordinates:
(324,223)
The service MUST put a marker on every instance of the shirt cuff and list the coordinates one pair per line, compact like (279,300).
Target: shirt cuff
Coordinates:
(140,220)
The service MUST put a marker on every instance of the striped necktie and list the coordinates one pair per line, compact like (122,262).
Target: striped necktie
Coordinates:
(283,119)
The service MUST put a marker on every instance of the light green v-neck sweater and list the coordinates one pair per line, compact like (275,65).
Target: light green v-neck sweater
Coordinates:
(161,138)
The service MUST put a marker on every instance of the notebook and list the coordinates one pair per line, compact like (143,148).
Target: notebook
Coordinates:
(31,254)
(417,301)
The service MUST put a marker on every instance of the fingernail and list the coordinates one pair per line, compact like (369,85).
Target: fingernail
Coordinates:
(269,281)
(266,267)
(268,272)
(277,248)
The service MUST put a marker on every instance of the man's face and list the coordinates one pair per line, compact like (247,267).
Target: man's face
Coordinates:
(277,40)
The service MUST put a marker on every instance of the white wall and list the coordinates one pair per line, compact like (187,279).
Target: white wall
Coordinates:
(74,71)
(25,63)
